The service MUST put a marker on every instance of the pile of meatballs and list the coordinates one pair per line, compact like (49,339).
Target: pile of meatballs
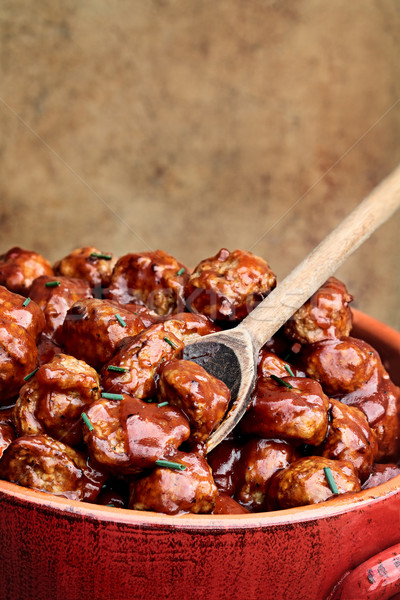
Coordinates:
(98,405)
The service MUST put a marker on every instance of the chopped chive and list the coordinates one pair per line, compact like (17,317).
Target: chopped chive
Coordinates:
(26,302)
(31,374)
(87,422)
(181,272)
(112,505)
(52,283)
(112,396)
(169,342)
(279,380)
(116,369)
(170,465)
(120,320)
(162,404)
(330,480)
(289,370)
(100,255)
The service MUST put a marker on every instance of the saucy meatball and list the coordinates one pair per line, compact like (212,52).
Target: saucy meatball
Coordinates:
(325,315)
(202,397)
(87,263)
(155,279)
(304,482)
(45,464)
(341,366)
(225,505)
(139,358)
(189,327)
(260,460)
(229,285)
(129,435)
(380,474)
(20,310)
(93,328)
(19,268)
(270,364)
(172,491)
(55,297)
(350,438)
(52,401)
(18,358)
(295,410)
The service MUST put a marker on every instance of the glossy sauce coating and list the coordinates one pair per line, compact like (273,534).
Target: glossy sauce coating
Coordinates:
(19,268)
(91,330)
(270,364)
(12,309)
(341,366)
(260,460)
(188,327)
(225,505)
(350,438)
(150,278)
(227,286)
(299,414)
(141,356)
(18,358)
(172,492)
(153,431)
(202,397)
(42,463)
(223,461)
(83,263)
(304,482)
(325,315)
(53,400)
(55,301)
(379,400)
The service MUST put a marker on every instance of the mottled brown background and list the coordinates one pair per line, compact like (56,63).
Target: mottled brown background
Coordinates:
(189,125)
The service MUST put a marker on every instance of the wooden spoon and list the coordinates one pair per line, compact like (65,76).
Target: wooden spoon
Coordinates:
(232,355)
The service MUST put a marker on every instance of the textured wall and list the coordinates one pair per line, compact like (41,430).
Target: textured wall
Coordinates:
(189,125)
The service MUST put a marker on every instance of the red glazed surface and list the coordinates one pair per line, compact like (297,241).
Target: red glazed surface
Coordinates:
(51,549)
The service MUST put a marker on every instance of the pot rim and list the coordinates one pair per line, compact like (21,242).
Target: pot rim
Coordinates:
(146,519)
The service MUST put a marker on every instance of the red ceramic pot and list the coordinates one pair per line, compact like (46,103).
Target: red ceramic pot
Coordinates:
(53,549)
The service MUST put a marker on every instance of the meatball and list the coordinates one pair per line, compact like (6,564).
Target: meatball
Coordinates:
(293,409)
(379,400)
(229,285)
(19,268)
(224,460)
(7,436)
(155,279)
(202,397)
(380,474)
(55,297)
(45,464)
(325,315)
(270,364)
(52,401)
(305,482)
(129,435)
(350,438)
(18,358)
(341,366)
(225,505)
(189,327)
(172,491)
(152,430)
(140,358)
(260,460)
(22,311)
(92,329)
(87,263)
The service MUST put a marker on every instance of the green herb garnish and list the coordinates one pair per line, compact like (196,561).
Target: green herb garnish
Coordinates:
(170,465)
(26,302)
(281,382)
(87,422)
(100,255)
(52,283)
(116,369)
(180,272)
(31,374)
(330,480)
(162,404)
(120,320)
(112,396)
(169,342)
(289,370)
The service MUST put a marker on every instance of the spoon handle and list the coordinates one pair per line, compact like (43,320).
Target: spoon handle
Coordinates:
(323,261)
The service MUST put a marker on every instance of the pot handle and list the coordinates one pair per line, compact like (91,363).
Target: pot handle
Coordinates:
(378,578)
